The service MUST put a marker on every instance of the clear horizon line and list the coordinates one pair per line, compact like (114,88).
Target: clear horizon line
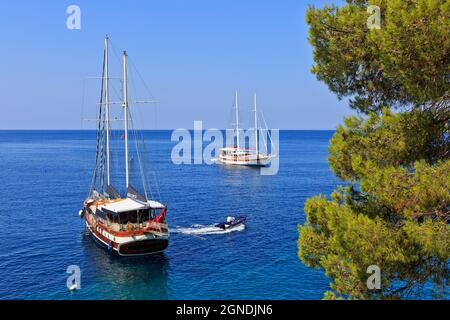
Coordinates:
(154,129)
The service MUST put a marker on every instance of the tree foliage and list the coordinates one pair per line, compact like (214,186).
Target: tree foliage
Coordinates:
(406,62)
(394,209)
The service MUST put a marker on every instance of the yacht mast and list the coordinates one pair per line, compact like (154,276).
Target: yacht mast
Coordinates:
(107,111)
(125,105)
(237,119)
(256,124)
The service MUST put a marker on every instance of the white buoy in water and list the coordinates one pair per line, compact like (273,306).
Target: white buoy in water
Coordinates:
(73,287)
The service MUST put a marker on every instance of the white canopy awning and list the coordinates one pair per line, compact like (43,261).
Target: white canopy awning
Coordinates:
(124,205)
(155,204)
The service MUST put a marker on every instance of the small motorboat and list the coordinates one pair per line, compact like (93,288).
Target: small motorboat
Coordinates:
(232,222)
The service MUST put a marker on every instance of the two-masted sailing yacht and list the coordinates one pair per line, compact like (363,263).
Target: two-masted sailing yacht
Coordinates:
(236,155)
(130,224)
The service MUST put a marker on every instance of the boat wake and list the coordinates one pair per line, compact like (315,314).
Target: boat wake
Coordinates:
(198,229)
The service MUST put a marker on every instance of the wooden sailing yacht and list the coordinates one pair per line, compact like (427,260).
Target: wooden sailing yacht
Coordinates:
(235,155)
(131,224)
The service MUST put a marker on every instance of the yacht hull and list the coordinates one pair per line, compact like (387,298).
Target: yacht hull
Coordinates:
(137,243)
(261,162)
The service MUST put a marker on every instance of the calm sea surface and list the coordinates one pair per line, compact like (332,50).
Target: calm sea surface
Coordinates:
(45,176)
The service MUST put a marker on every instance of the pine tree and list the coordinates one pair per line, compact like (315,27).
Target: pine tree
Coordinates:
(394,157)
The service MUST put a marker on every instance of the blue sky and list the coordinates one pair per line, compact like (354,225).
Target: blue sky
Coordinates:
(193,54)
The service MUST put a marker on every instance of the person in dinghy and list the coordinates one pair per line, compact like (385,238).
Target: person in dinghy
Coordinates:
(232,222)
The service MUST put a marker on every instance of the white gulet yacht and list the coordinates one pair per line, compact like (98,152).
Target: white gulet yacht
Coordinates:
(236,155)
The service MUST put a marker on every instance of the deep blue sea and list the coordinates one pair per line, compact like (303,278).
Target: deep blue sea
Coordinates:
(45,176)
